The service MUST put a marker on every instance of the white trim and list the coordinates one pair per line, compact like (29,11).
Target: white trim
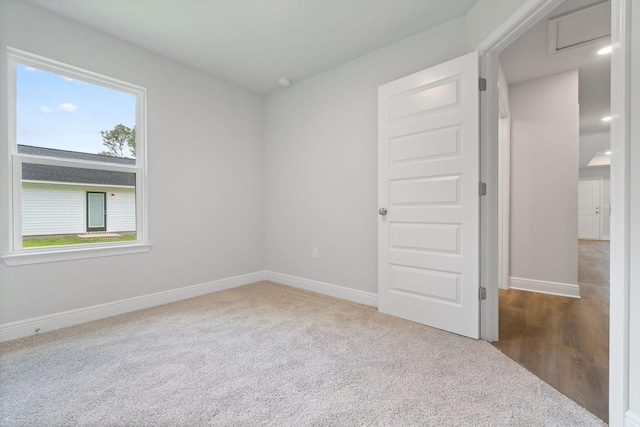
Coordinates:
(489,204)
(75,163)
(619,330)
(504,188)
(504,180)
(78,184)
(23,328)
(15,224)
(544,287)
(605,237)
(361,297)
(51,65)
(69,253)
(631,419)
(519,22)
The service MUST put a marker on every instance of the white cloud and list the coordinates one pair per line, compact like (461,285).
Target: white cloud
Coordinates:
(67,107)
(45,109)
(69,79)
(26,68)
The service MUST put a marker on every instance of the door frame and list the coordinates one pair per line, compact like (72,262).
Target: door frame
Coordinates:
(520,21)
(504,189)
(619,329)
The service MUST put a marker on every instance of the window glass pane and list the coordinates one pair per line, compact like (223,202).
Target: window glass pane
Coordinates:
(64,114)
(96,207)
(67,205)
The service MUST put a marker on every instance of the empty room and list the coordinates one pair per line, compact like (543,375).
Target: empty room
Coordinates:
(275,213)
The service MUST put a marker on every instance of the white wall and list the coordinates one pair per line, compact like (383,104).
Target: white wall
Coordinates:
(487,15)
(590,144)
(544,178)
(634,215)
(504,179)
(321,161)
(206,168)
(603,172)
(503,91)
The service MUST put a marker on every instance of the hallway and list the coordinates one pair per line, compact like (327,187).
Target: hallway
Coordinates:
(565,341)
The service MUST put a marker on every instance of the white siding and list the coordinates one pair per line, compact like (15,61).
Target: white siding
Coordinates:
(121,211)
(61,209)
(52,209)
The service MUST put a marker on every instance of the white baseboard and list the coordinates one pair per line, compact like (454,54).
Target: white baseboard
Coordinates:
(553,288)
(631,419)
(23,328)
(26,327)
(605,237)
(361,297)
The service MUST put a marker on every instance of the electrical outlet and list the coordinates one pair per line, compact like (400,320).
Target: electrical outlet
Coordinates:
(314,252)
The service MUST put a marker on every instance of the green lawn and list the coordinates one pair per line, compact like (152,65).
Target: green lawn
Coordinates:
(72,239)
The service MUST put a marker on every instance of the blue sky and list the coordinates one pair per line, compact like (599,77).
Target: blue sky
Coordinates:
(57,112)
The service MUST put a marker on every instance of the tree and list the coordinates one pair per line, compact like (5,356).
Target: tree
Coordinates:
(118,140)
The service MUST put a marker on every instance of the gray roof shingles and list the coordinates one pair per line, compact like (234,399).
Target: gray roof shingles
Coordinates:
(38,172)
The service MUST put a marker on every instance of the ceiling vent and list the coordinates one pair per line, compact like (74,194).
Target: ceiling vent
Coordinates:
(580,27)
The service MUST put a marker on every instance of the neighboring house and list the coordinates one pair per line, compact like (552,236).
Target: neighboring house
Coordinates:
(65,200)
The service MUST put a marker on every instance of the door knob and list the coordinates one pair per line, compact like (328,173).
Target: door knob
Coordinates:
(382,211)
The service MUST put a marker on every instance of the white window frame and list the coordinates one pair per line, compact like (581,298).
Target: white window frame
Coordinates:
(21,256)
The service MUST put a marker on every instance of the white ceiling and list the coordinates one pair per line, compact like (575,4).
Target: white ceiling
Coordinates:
(527,58)
(254,42)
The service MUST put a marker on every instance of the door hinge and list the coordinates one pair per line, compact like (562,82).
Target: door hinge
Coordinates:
(483,189)
(482,83)
(483,293)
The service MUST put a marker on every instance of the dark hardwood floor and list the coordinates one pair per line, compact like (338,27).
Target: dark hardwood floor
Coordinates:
(565,341)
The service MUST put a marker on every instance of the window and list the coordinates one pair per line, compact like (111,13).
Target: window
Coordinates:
(77,142)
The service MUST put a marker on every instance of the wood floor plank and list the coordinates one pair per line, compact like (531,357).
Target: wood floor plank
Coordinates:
(565,341)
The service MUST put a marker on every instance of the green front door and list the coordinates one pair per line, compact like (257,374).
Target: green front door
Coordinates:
(96,211)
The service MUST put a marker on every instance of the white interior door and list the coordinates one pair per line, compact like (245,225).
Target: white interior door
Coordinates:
(428,177)
(589,209)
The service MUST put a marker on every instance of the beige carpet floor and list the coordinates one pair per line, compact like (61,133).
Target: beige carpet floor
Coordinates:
(267,354)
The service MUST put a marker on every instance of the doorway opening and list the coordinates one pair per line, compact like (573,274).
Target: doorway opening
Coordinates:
(553,245)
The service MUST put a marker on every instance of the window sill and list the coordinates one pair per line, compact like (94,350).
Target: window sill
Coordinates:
(56,255)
